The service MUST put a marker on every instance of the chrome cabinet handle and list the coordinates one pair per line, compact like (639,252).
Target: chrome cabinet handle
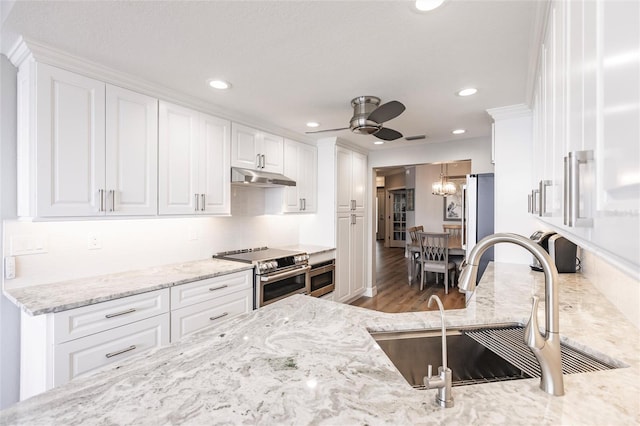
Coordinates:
(353,219)
(257,161)
(218,288)
(528,203)
(224,314)
(112,354)
(117,314)
(202,196)
(301,208)
(112,193)
(566,194)
(304,204)
(101,195)
(353,204)
(542,211)
(577,158)
(535,201)
(197,202)
(263,161)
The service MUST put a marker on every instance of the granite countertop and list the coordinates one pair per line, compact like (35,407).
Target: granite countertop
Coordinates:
(309,249)
(64,295)
(311,361)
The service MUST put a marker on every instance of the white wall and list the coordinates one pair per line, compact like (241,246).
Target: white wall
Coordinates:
(9,313)
(513,168)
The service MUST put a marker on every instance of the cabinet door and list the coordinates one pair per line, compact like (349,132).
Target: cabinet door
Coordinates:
(245,147)
(358,261)
(177,160)
(70,143)
(616,226)
(359,179)
(308,176)
(215,168)
(273,151)
(343,258)
(291,167)
(343,180)
(131,153)
(88,353)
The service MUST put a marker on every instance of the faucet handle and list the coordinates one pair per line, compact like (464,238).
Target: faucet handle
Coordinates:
(532,336)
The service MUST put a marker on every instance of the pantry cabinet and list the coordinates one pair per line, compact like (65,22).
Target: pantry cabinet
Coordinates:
(350,260)
(85,148)
(193,160)
(256,150)
(300,164)
(586,132)
(351,180)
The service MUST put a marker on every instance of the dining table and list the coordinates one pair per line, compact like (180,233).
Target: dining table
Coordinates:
(454,249)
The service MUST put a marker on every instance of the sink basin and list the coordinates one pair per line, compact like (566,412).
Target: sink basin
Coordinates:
(481,354)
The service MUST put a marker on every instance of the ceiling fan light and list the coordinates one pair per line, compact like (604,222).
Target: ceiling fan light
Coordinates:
(427,5)
(468,91)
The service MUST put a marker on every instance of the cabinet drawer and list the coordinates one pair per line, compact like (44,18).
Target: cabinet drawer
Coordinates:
(195,317)
(88,353)
(211,288)
(80,322)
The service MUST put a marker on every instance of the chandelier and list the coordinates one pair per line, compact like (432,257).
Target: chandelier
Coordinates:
(443,187)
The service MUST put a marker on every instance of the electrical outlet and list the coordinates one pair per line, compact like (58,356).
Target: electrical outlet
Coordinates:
(94,241)
(9,267)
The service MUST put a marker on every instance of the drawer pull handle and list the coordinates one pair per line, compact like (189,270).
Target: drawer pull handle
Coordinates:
(218,288)
(117,314)
(112,354)
(219,316)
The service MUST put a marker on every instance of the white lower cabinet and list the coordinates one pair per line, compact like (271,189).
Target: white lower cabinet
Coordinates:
(57,347)
(203,303)
(350,258)
(97,350)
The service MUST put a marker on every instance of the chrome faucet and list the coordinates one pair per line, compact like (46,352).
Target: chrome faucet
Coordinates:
(443,381)
(546,348)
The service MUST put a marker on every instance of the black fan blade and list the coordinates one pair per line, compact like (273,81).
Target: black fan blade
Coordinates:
(387,134)
(386,112)
(328,130)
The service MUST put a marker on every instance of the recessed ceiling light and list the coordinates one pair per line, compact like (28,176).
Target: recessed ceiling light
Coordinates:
(468,92)
(378,142)
(219,84)
(427,5)
(458,131)
(313,124)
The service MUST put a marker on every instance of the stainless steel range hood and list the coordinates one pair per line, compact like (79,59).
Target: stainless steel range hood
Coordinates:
(259,178)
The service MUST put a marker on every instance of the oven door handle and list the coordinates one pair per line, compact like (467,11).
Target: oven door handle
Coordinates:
(284,275)
(322,269)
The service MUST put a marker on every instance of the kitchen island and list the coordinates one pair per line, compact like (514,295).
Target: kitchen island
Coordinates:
(304,360)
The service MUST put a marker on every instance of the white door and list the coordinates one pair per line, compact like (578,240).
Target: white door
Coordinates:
(358,244)
(308,176)
(397,219)
(70,143)
(343,258)
(343,179)
(359,179)
(178,160)
(131,153)
(272,152)
(245,147)
(215,169)
(291,167)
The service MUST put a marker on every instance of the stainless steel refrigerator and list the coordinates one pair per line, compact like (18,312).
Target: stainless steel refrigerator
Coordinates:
(478,215)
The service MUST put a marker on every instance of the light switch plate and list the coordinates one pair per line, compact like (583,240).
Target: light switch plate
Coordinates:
(9,267)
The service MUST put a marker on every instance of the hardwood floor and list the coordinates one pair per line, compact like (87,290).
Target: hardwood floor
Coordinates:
(394,293)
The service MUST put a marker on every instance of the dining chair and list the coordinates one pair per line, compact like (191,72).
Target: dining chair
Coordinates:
(415,254)
(434,257)
(455,231)
(455,234)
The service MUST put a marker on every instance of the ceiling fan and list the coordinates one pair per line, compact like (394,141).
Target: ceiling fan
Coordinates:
(368,118)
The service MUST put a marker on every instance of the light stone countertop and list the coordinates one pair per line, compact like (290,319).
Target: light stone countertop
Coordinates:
(312,361)
(64,295)
(310,249)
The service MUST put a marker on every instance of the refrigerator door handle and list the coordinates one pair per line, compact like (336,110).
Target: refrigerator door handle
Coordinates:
(463,231)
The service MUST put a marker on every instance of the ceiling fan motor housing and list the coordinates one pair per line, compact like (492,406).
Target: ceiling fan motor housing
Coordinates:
(362,107)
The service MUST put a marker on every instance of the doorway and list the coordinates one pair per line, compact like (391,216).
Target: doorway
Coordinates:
(396,217)
(380,214)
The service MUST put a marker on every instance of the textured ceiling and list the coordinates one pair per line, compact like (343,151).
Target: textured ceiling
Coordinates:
(295,61)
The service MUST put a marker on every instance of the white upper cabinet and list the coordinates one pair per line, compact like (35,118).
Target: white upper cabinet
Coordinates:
(89,149)
(586,126)
(132,153)
(301,165)
(67,139)
(194,172)
(256,150)
(351,180)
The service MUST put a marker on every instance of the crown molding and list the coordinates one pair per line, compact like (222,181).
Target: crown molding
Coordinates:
(25,49)
(512,111)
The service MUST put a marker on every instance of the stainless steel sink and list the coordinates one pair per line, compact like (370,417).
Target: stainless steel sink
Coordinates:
(481,354)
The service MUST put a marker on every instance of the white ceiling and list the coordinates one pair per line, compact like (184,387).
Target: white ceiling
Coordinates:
(295,61)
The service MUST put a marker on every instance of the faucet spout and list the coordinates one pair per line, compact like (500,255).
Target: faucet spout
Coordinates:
(443,382)
(546,348)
